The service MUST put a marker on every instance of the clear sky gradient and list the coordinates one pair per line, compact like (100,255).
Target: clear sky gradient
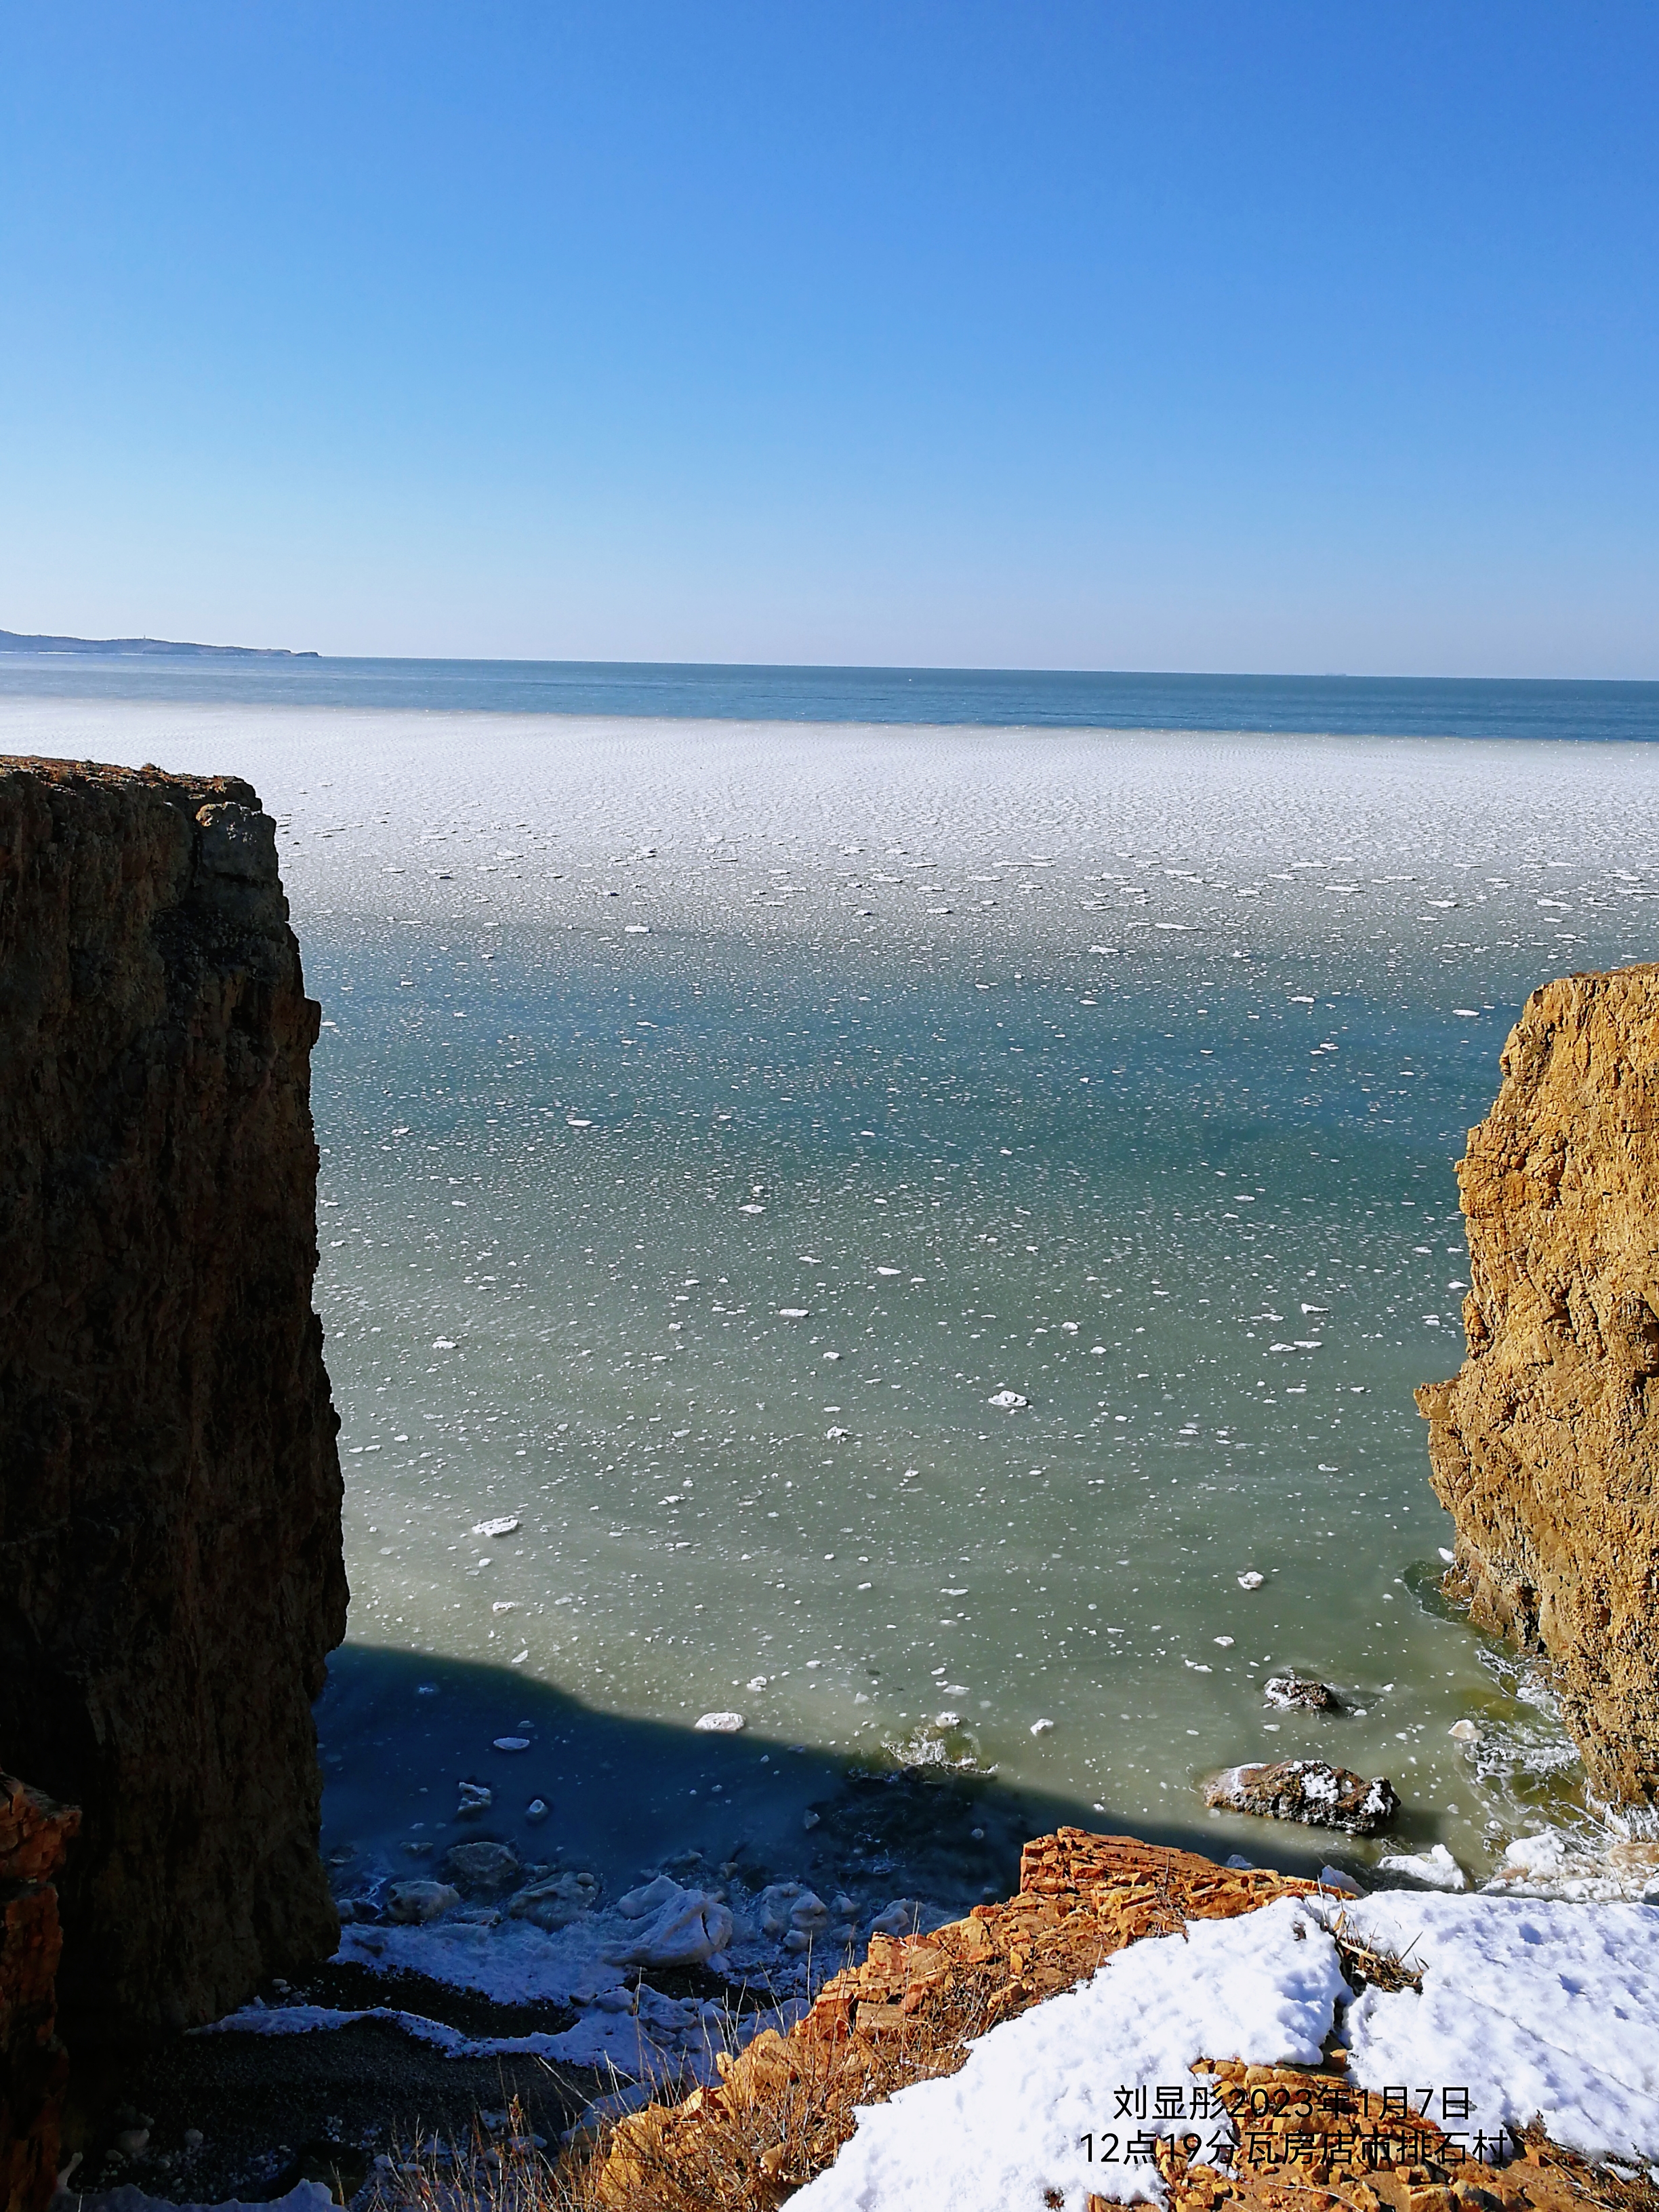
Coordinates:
(1236,336)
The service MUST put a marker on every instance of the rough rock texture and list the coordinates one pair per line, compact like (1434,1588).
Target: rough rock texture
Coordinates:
(34,1833)
(171,1576)
(1309,1791)
(1286,1692)
(1544,1447)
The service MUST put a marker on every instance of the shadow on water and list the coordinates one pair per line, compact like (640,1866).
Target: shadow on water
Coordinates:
(400,1733)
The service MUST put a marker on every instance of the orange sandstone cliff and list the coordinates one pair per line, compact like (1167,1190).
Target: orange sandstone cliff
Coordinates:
(1545,1447)
(171,1579)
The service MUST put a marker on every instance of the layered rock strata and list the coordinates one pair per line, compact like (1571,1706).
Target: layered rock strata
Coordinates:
(34,1834)
(1542,1448)
(170,1554)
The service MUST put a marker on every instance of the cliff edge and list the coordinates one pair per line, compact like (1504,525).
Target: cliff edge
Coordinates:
(171,1576)
(1544,1447)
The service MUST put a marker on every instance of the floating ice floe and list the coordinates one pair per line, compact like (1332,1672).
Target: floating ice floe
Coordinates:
(719,1723)
(512,1743)
(474,1798)
(443,1343)
(1008,1401)
(506,1526)
(1436,1867)
(1251,1580)
(794,1313)
(1041,1727)
(836,1436)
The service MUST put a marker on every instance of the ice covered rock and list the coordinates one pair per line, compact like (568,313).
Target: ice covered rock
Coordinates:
(304,2197)
(785,1909)
(903,1916)
(687,1930)
(1306,1790)
(1542,1855)
(420,1900)
(557,1902)
(1436,1867)
(650,1897)
(1301,1690)
(484,1869)
(719,1723)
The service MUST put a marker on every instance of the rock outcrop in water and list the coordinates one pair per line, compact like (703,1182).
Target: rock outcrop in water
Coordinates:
(1545,1447)
(171,1577)
(1306,1790)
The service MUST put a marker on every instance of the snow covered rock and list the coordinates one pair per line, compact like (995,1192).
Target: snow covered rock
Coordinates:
(1287,1691)
(1306,1790)
(684,1929)
(420,1900)
(558,1902)
(788,1909)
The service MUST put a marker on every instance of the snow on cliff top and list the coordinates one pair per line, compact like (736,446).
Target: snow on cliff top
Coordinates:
(1526,2008)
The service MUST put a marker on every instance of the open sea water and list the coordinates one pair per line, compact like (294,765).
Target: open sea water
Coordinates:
(735,1084)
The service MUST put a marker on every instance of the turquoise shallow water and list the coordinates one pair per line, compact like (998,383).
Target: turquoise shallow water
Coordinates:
(1215,1270)
(716,1120)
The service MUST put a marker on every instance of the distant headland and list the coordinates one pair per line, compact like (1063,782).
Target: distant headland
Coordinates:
(13,640)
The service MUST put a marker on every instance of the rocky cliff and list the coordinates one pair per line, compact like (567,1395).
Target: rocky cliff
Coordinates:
(34,1834)
(171,1576)
(1545,1447)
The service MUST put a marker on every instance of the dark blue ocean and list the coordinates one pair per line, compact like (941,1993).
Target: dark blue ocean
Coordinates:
(1357,706)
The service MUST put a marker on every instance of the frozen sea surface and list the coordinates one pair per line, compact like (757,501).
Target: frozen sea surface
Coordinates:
(717,1119)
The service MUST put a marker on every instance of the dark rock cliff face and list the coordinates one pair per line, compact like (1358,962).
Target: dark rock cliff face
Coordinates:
(1545,1447)
(171,1579)
(34,1834)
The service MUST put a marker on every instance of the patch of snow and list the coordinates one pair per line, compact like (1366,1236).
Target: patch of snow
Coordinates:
(1011,2125)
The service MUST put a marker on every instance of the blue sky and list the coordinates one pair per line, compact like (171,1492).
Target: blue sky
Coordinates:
(1236,336)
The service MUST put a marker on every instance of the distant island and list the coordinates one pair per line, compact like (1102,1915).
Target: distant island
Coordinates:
(13,640)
